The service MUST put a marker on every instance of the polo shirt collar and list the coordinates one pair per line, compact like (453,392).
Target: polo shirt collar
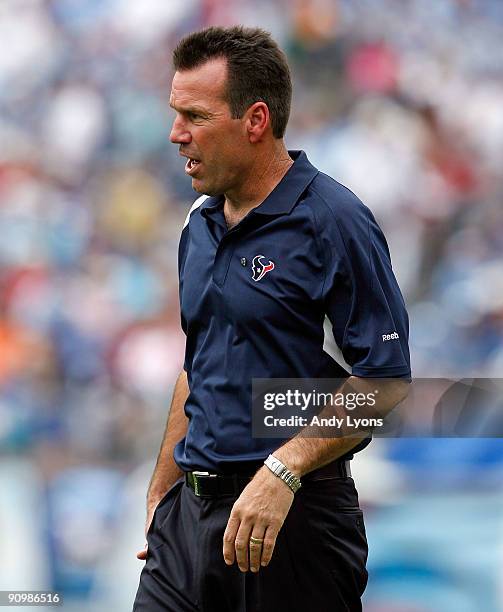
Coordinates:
(284,196)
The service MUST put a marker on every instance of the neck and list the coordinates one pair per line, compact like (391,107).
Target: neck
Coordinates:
(261,178)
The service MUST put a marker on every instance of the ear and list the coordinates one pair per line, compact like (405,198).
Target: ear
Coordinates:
(257,121)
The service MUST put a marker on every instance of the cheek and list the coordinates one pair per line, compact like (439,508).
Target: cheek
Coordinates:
(226,159)
(224,150)
(237,156)
(235,143)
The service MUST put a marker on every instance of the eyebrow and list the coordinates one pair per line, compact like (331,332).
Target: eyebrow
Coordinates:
(189,109)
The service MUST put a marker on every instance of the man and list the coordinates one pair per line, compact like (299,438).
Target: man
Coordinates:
(272,248)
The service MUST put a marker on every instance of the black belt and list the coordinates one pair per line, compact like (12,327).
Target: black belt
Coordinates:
(205,484)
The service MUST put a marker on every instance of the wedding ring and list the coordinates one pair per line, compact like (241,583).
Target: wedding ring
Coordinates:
(256,541)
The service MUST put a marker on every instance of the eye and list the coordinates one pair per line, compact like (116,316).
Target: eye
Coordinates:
(193,116)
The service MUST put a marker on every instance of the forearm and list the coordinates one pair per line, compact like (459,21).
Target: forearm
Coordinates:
(303,453)
(166,471)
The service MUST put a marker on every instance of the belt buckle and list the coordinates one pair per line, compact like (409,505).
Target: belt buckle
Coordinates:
(196,475)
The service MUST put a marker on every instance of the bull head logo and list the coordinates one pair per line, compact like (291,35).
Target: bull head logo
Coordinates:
(259,269)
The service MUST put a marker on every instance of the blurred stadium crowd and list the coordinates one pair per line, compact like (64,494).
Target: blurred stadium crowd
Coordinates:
(401,100)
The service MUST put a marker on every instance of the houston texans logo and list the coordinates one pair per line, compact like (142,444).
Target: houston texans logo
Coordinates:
(259,269)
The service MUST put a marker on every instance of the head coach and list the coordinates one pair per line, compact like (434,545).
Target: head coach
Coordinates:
(270,248)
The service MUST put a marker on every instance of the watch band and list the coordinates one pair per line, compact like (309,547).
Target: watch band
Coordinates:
(281,471)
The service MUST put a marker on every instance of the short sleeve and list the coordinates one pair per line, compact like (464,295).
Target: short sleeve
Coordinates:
(361,294)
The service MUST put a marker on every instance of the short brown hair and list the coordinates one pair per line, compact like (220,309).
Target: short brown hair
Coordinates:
(257,70)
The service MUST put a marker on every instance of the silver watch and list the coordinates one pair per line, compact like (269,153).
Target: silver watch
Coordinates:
(281,471)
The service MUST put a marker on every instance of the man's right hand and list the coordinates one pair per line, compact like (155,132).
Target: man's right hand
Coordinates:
(166,471)
(142,554)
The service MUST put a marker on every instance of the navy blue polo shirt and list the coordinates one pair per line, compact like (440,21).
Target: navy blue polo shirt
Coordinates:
(254,298)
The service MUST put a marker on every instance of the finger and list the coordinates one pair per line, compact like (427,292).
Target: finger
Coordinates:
(268,545)
(255,548)
(229,538)
(142,554)
(241,545)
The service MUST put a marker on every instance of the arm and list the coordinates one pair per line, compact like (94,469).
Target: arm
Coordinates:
(166,472)
(304,454)
(264,504)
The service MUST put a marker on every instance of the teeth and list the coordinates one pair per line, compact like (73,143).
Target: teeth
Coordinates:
(191,163)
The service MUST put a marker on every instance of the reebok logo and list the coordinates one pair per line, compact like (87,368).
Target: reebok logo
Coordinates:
(393,336)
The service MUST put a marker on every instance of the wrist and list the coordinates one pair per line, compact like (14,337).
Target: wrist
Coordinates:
(281,471)
(290,461)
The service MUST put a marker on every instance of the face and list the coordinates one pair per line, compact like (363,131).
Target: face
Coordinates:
(214,144)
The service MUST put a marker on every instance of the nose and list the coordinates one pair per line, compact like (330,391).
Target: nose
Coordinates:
(179,133)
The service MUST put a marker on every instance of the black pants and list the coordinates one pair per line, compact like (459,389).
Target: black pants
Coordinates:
(318,563)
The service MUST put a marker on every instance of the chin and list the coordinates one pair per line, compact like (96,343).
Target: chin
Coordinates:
(200,187)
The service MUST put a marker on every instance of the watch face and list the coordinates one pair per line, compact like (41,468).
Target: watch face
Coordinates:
(275,465)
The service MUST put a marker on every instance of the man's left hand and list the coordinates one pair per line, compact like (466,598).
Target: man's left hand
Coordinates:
(255,520)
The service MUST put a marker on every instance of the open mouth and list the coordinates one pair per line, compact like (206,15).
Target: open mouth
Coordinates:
(192,165)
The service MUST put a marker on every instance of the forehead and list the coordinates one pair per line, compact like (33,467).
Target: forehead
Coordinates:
(202,85)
